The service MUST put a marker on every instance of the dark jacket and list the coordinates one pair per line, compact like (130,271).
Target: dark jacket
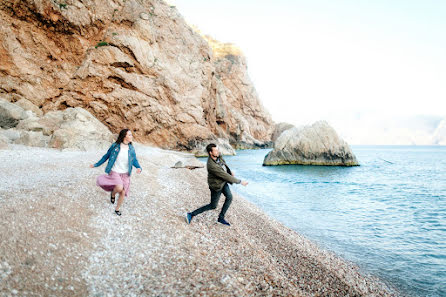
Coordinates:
(217,176)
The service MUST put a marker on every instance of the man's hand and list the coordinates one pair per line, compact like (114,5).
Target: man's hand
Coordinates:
(244,183)
(92,166)
(232,173)
(138,170)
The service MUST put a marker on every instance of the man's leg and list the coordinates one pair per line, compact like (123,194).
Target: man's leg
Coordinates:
(215,196)
(228,195)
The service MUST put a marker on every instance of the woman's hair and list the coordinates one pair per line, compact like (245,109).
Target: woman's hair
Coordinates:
(122,135)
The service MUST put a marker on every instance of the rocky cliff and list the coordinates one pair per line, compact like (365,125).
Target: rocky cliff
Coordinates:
(133,64)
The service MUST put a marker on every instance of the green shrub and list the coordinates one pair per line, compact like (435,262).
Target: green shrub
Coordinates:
(101,43)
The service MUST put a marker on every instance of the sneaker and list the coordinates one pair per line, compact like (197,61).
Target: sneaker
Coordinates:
(117,212)
(188,217)
(223,221)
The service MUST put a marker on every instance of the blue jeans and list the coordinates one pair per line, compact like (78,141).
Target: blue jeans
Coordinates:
(215,196)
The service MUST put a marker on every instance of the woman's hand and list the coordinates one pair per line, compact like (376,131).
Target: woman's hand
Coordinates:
(92,166)
(138,170)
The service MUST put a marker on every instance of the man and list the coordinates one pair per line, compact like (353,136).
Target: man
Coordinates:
(219,175)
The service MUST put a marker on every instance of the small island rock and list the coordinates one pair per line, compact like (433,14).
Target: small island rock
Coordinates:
(318,144)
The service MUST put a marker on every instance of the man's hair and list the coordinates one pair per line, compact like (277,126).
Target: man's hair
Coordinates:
(209,147)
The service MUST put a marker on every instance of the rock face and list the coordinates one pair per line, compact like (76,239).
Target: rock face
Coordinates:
(317,144)
(279,128)
(132,64)
(239,113)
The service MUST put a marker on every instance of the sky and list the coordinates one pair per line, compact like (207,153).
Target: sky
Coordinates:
(375,70)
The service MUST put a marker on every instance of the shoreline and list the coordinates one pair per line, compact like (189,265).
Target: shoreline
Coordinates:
(63,238)
(330,258)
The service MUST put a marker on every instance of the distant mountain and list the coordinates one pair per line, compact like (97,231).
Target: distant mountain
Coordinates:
(439,136)
(393,130)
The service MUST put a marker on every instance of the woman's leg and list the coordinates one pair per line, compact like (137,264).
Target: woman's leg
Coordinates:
(117,189)
(121,199)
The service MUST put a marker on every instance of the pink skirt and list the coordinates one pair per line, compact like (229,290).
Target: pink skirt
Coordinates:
(109,181)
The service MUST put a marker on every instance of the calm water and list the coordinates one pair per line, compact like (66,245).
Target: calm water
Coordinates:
(389,218)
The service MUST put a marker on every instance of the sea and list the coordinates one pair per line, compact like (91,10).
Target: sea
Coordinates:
(388,215)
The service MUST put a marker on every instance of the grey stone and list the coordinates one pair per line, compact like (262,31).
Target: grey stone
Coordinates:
(32,138)
(28,105)
(144,16)
(4,143)
(80,130)
(318,144)
(10,134)
(10,114)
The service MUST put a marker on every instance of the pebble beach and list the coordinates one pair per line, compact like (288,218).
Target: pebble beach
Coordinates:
(60,236)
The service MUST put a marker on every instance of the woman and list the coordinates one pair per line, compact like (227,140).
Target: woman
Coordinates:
(121,159)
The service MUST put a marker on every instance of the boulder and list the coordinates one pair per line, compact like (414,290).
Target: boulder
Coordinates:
(10,114)
(318,144)
(4,142)
(32,138)
(10,135)
(222,144)
(79,130)
(72,128)
(33,123)
(28,105)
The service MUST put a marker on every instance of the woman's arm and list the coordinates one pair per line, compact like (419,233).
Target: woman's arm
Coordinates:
(105,157)
(135,161)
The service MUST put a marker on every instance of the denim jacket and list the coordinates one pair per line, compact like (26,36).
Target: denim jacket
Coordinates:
(112,154)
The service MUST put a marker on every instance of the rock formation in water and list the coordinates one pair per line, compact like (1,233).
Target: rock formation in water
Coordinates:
(133,64)
(317,144)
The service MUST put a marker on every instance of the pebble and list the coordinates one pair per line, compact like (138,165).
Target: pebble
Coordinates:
(150,248)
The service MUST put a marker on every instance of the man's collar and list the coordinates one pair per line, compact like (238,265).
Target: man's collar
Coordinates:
(216,159)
